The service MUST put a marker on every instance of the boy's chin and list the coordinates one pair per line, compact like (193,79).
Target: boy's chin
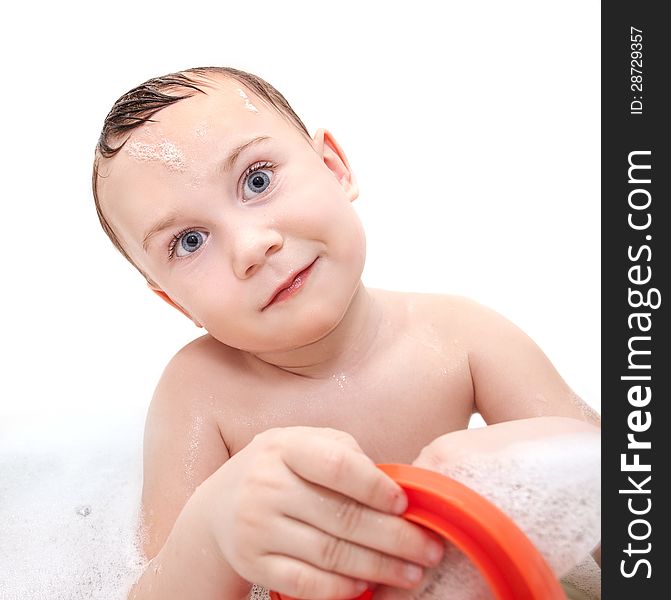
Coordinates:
(303,319)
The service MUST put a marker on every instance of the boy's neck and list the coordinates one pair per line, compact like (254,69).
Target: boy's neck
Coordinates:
(344,349)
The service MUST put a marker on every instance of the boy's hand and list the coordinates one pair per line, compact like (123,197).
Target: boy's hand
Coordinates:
(305,512)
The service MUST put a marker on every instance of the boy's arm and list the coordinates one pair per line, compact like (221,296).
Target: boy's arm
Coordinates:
(512,377)
(457,447)
(189,564)
(182,447)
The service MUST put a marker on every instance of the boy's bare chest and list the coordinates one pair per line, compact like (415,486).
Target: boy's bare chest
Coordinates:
(417,391)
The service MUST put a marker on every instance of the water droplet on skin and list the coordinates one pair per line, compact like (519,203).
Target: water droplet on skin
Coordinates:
(194,444)
(340,379)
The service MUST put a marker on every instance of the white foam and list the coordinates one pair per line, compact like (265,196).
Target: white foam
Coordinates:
(68,516)
(584,580)
(248,105)
(259,593)
(166,152)
(69,510)
(550,488)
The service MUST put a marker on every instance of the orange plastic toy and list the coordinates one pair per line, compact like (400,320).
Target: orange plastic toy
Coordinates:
(506,558)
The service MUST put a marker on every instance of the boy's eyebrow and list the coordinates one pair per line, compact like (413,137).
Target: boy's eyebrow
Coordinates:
(227,165)
(169,221)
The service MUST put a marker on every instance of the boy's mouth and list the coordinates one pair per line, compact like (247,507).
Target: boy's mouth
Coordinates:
(291,286)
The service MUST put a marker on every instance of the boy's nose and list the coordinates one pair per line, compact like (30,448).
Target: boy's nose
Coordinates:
(253,247)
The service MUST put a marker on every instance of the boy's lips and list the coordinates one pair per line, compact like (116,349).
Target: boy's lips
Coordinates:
(293,281)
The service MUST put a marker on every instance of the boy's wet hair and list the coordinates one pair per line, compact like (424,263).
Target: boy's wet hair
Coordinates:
(140,104)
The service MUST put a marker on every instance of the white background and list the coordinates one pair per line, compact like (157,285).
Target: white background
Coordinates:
(473,129)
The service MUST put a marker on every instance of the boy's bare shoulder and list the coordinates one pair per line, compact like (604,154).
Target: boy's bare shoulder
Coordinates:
(183,444)
(452,311)
(200,377)
(512,377)
(187,385)
(199,368)
(201,355)
(462,316)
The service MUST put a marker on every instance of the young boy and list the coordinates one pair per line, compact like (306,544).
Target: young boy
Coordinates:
(262,436)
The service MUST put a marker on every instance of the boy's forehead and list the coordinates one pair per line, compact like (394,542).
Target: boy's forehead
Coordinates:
(225,107)
(188,138)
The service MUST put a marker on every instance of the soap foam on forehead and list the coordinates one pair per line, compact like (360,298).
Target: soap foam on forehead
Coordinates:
(166,152)
(248,105)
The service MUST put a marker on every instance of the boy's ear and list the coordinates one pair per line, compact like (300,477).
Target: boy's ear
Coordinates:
(161,294)
(335,159)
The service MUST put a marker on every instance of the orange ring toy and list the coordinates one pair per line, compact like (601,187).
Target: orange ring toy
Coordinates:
(504,555)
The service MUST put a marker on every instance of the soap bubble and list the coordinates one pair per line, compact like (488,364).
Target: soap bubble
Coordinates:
(68,515)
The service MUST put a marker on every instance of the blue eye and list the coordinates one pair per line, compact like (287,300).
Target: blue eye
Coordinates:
(256,182)
(187,243)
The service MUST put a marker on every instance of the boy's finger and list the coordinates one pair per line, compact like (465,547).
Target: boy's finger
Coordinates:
(295,578)
(347,519)
(337,467)
(334,555)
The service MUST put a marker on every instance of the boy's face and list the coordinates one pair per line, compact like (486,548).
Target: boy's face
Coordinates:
(229,225)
